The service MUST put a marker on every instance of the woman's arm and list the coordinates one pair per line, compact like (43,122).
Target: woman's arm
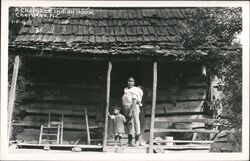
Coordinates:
(134,102)
(124,119)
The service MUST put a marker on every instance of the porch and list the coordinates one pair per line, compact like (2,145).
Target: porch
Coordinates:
(61,86)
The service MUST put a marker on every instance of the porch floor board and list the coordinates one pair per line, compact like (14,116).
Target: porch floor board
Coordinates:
(60,146)
(118,149)
(127,149)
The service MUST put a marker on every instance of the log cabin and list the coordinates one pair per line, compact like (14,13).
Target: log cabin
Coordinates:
(72,64)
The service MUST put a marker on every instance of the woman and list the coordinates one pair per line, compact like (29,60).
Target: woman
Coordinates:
(131,101)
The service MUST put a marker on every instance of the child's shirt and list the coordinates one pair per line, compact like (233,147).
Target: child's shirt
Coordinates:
(119,123)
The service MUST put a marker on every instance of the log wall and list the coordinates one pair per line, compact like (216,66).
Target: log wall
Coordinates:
(60,87)
(181,92)
(69,86)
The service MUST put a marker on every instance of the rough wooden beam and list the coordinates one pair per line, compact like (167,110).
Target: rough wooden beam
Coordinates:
(181,147)
(183,141)
(60,101)
(186,130)
(52,86)
(169,100)
(160,119)
(57,112)
(12,94)
(178,107)
(68,126)
(151,135)
(24,145)
(88,57)
(107,106)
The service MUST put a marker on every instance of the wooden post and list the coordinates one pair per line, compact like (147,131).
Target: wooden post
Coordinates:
(87,126)
(151,135)
(105,137)
(12,95)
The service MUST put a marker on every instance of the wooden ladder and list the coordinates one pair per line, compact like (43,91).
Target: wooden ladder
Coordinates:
(53,131)
(172,142)
(87,129)
(87,126)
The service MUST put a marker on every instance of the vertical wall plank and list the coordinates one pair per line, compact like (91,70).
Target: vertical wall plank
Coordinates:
(12,94)
(107,106)
(153,108)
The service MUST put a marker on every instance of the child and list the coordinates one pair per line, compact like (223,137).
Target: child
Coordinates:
(119,121)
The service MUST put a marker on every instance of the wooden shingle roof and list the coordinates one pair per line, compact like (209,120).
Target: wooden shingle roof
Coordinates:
(104,30)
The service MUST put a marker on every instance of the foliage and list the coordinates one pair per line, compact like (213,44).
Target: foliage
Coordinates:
(211,27)
(228,66)
(214,30)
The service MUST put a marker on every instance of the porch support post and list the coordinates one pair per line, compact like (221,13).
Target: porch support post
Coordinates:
(12,95)
(153,108)
(107,107)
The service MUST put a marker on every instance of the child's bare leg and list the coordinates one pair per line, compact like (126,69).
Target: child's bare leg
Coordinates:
(120,140)
(116,138)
